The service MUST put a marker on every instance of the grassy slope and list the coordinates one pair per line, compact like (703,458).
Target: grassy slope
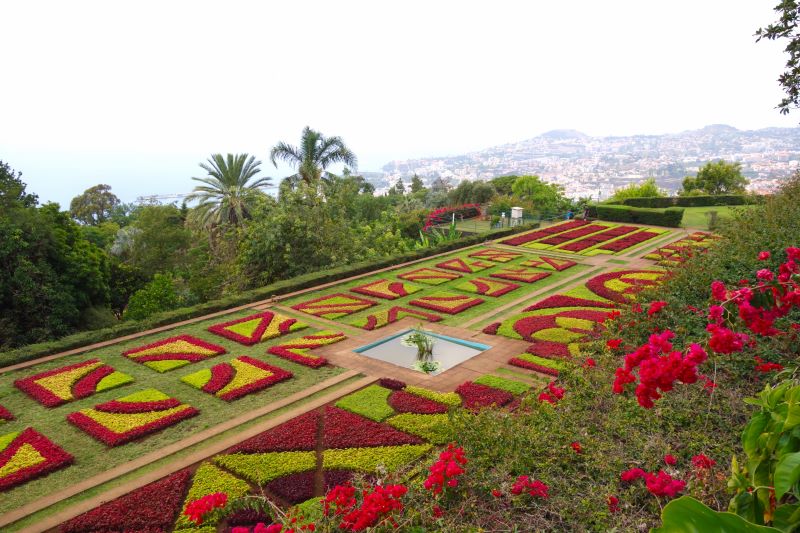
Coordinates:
(92,456)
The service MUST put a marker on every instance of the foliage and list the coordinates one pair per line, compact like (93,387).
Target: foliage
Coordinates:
(669,217)
(156,296)
(472,192)
(227,194)
(785,28)
(315,153)
(647,188)
(693,201)
(504,184)
(546,197)
(161,240)
(94,206)
(716,177)
(687,515)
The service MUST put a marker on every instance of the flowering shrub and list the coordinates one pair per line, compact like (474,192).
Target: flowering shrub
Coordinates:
(444,215)
(429,276)
(658,483)
(487,287)
(27,455)
(498,256)
(68,383)
(389,290)
(334,305)
(253,329)
(383,317)
(534,488)
(377,506)
(523,274)
(299,350)
(240,377)
(553,394)
(131,417)
(174,352)
(208,479)
(447,302)
(196,509)
(445,472)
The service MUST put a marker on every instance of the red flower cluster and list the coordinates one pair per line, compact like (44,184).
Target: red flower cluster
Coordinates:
(613,504)
(631,240)
(5,414)
(655,307)
(670,460)
(658,483)
(516,361)
(576,446)
(767,366)
(535,488)
(376,508)
(659,368)
(553,394)
(444,214)
(54,458)
(446,470)
(197,508)
(702,462)
(613,344)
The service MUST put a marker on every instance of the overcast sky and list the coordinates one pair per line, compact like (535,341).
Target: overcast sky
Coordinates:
(136,96)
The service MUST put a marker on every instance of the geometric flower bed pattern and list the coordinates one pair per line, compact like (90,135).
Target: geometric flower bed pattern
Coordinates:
(543,233)
(256,328)
(73,382)
(240,377)
(390,290)
(459,265)
(523,274)
(540,364)
(447,302)
(429,276)
(151,508)
(5,415)
(677,252)
(487,287)
(381,318)
(299,350)
(26,455)
(548,263)
(598,238)
(174,352)
(130,417)
(498,256)
(334,305)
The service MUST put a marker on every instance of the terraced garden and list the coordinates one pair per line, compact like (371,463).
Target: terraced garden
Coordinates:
(263,400)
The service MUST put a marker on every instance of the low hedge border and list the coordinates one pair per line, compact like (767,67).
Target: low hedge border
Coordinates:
(85,338)
(670,217)
(693,201)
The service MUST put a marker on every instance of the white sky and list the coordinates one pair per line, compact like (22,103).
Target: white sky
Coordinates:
(136,95)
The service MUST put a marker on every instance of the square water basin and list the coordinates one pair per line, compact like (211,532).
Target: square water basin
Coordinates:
(448,351)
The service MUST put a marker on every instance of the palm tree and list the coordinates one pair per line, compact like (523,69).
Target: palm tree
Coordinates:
(227,194)
(315,153)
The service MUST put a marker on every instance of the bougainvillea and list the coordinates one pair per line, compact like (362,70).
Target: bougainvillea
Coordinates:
(383,317)
(151,508)
(429,276)
(553,394)
(476,396)
(498,256)
(299,350)
(447,469)
(343,429)
(240,377)
(27,455)
(377,506)
(460,265)
(174,352)
(508,385)
(370,402)
(256,328)
(334,305)
(548,263)
(447,302)
(131,417)
(487,287)
(197,509)
(526,275)
(73,382)
(404,402)
(533,487)
(389,290)
(658,483)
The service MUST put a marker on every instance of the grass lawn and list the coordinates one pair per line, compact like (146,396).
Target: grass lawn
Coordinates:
(697,217)
(92,456)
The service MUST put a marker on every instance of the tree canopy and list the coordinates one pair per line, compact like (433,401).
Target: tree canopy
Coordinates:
(716,177)
(638,190)
(786,29)
(94,206)
(314,155)
(545,197)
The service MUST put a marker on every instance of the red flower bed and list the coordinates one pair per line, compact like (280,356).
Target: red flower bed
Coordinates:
(527,326)
(533,366)
(221,375)
(298,434)
(290,355)
(491,329)
(394,384)
(151,508)
(115,406)
(87,385)
(476,396)
(267,317)
(106,436)
(343,429)
(55,458)
(597,284)
(627,242)
(297,488)
(277,375)
(574,234)
(5,414)
(446,303)
(404,402)
(82,387)
(549,349)
(539,234)
(163,350)
(598,238)
(559,300)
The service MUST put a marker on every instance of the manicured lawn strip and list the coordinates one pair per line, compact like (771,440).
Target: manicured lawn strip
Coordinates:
(450,286)
(93,457)
(617,261)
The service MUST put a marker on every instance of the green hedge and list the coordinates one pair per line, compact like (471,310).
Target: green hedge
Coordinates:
(128,327)
(670,217)
(692,201)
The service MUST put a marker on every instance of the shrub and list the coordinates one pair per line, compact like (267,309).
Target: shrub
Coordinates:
(692,201)
(669,217)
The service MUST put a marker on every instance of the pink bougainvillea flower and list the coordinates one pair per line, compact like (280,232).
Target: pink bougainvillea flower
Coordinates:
(765,274)
(655,307)
(718,291)
(763,256)
(613,344)
(613,315)
(671,460)
(703,462)
(632,475)
(613,504)
(589,363)
(576,446)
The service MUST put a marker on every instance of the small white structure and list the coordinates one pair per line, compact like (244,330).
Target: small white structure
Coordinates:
(516,216)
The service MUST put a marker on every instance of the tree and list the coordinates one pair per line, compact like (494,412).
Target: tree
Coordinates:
(545,197)
(160,240)
(787,28)
(228,194)
(503,184)
(94,206)
(315,153)
(399,188)
(157,296)
(12,189)
(416,184)
(716,177)
(472,192)
(638,190)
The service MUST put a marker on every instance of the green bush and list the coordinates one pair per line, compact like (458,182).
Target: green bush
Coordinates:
(691,201)
(670,217)
(129,327)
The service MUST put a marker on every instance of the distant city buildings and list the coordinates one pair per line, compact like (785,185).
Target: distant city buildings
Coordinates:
(596,166)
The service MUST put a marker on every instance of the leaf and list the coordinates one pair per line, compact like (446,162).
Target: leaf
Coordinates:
(787,517)
(752,432)
(687,515)
(787,473)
